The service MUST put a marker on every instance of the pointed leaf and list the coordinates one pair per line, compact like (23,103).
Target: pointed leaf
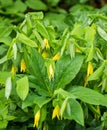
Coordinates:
(42,30)
(96,75)
(22,87)
(34,99)
(64,40)
(15,51)
(26,40)
(3,76)
(8,87)
(66,70)
(63,106)
(90,34)
(63,93)
(38,70)
(90,54)
(3,59)
(89,96)
(74,111)
(102,33)
(36,5)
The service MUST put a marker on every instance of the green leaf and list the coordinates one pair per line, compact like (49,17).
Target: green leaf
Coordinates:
(26,40)
(102,33)
(20,4)
(90,54)
(40,100)
(3,76)
(39,38)
(64,40)
(3,59)
(15,51)
(14,9)
(96,75)
(38,69)
(78,32)
(43,112)
(3,124)
(9,118)
(42,30)
(66,70)
(34,99)
(63,106)
(8,87)
(98,16)
(90,34)
(22,87)
(88,95)
(29,101)
(5,3)
(73,111)
(36,4)
(36,15)
(63,93)
(83,1)
(53,2)
(5,31)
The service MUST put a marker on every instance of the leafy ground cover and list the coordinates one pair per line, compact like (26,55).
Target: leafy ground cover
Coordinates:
(53,64)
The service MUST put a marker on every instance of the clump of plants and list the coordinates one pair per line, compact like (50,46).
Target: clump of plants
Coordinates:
(53,72)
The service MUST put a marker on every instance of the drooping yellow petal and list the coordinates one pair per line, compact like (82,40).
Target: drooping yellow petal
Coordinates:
(56,57)
(23,66)
(56,112)
(89,69)
(45,54)
(51,72)
(36,119)
(77,50)
(13,69)
(46,43)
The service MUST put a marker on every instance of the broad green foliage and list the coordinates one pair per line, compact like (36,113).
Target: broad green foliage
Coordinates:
(53,66)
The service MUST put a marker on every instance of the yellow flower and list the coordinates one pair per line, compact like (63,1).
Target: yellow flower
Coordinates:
(89,69)
(46,43)
(56,112)
(45,54)
(36,119)
(23,66)
(56,57)
(77,50)
(51,72)
(13,69)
